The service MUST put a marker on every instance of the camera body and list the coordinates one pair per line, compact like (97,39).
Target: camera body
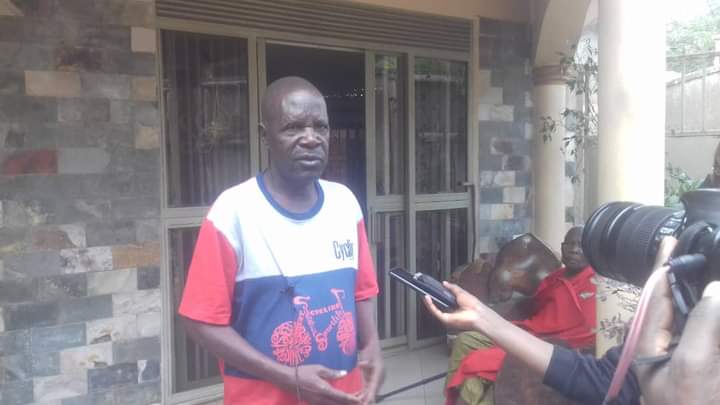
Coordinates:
(621,239)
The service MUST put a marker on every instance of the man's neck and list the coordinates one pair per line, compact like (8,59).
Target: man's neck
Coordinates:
(570,273)
(292,195)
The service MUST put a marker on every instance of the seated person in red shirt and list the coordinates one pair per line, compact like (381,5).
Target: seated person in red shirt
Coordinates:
(563,310)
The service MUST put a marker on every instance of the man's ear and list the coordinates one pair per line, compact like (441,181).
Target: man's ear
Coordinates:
(263,133)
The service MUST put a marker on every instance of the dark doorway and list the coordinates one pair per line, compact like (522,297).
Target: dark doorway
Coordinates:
(340,76)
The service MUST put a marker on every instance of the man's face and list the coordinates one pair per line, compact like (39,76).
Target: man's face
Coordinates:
(298,136)
(572,253)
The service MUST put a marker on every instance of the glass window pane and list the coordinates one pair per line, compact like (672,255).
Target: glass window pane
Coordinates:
(441,246)
(390,253)
(440,125)
(205,94)
(194,366)
(390,124)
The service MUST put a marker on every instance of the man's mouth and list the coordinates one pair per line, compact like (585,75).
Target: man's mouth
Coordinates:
(574,259)
(309,158)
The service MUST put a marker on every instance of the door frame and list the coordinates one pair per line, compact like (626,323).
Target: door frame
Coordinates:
(417,203)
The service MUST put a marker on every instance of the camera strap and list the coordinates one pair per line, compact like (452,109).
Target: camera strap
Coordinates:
(633,337)
(673,270)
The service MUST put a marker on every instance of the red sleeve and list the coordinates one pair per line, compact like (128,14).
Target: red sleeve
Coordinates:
(366,285)
(211,278)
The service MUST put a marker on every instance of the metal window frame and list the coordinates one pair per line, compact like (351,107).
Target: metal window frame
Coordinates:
(185,217)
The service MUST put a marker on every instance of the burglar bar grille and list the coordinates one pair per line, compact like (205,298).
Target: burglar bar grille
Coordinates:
(330,19)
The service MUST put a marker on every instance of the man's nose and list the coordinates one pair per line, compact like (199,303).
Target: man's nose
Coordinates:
(310,138)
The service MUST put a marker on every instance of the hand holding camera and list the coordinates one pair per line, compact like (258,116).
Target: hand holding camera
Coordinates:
(691,375)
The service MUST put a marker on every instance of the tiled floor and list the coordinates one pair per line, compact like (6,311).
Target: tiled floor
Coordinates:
(408,367)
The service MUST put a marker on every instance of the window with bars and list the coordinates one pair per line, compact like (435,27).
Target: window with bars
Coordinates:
(207,149)
(205,91)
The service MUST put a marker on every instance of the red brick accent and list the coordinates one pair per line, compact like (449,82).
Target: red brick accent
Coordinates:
(136,255)
(31,162)
(51,239)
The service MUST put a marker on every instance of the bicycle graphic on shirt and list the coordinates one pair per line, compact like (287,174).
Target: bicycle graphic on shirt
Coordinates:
(291,342)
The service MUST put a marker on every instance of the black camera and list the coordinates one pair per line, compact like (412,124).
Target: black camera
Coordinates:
(621,240)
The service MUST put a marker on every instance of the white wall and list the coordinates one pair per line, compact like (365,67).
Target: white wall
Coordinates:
(693,154)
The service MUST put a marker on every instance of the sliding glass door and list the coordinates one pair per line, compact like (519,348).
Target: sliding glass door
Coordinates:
(418,177)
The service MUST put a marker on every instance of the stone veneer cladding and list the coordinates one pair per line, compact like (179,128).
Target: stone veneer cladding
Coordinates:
(505,132)
(79,203)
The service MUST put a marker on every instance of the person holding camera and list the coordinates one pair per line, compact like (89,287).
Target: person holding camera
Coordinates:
(690,377)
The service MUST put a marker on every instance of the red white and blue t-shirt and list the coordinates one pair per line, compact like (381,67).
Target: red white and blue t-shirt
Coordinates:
(286,282)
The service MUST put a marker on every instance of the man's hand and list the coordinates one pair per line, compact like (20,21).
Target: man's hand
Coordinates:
(312,381)
(691,376)
(468,316)
(371,362)
(369,356)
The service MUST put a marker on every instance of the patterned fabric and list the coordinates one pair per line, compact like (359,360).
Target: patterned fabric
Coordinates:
(286,282)
(474,390)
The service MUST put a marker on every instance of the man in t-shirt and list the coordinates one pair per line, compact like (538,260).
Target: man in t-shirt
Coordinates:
(563,310)
(280,283)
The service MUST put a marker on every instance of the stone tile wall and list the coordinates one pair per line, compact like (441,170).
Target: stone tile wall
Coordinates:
(505,131)
(79,203)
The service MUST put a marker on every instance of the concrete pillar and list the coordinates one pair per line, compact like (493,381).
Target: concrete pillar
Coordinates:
(549,100)
(632,114)
(631,101)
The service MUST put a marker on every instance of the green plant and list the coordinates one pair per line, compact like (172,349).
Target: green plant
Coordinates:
(677,183)
(692,37)
(580,71)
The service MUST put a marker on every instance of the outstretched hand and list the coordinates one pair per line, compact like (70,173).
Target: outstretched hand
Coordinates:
(468,316)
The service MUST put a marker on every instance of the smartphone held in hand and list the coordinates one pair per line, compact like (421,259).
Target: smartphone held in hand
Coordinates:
(426,285)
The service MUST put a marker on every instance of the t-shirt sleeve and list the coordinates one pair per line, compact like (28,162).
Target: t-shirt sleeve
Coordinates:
(585,379)
(211,278)
(366,285)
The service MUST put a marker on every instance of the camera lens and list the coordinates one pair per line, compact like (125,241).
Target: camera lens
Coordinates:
(621,239)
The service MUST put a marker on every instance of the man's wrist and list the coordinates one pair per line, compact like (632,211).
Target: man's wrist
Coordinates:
(373,343)
(285,376)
